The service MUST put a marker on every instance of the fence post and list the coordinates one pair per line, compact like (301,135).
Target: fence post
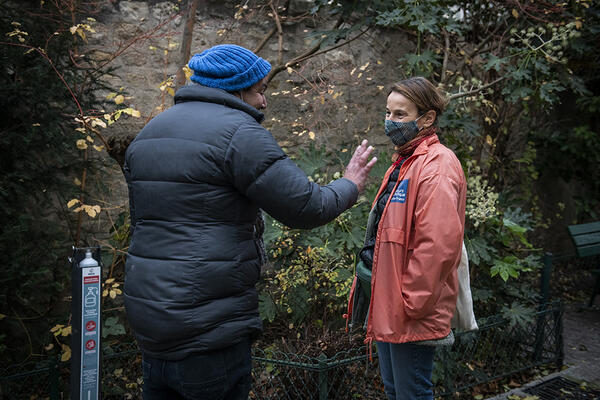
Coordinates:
(544,298)
(558,331)
(322,358)
(54,377)
(545,278)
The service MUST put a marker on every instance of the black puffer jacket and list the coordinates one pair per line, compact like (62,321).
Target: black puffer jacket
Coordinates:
(197,175)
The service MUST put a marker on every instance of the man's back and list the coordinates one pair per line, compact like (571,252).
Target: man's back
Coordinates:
(193,261)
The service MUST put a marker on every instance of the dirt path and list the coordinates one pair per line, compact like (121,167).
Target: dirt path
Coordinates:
(582,342)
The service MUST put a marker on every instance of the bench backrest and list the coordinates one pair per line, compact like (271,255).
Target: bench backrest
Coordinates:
(586,238)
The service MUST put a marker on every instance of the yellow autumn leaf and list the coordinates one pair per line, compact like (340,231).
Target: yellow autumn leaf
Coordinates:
(488,140)
(92,211)
(111,96)
(89,139)
(76,181)
(98,121)
(112,294)
(73,29)
(105,293)
(578,24)
(188,72)
(135,113)
(119,99)
(98,148)
(118,291)
(362,68)
(171,91)
(66,355)
(82,130)
(311,135)
(515,13)
(289,70)
(56,328)
(81,144)
(109,280)
(72,202)
(49,347)
(66,331)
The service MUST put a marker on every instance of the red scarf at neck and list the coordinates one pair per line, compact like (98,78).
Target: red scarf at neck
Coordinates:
(404,152)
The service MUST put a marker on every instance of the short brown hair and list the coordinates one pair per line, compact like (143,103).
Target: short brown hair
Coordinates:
(421,92)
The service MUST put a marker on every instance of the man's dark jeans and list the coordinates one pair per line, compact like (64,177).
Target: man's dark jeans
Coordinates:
(217,375)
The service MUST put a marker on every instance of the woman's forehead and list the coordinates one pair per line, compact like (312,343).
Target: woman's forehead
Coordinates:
(397,101)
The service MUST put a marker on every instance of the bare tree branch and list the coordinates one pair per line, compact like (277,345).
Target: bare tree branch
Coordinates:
(312,52)
(446,52)
(279,32)
(186,43)
(474,91)
(265,40)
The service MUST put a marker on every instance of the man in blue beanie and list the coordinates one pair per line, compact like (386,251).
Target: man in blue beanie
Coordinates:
(199,175)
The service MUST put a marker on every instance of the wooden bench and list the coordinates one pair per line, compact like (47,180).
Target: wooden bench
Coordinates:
(586,238)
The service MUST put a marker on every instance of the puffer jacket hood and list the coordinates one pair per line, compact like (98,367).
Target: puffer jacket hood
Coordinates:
(197,175)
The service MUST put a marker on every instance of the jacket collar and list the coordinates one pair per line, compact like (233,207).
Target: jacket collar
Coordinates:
(195,92)
(424,146)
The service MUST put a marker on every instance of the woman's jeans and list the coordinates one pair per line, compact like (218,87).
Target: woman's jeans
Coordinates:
(406,370)
(223,374)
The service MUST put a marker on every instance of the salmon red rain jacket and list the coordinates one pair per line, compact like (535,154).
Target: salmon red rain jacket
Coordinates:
(418,248)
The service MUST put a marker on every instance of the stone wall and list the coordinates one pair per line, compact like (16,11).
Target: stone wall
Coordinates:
(332,100)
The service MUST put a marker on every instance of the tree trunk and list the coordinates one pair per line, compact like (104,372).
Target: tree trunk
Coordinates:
(186,43)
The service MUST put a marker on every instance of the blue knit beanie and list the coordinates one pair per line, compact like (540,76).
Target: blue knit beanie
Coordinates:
(228,67)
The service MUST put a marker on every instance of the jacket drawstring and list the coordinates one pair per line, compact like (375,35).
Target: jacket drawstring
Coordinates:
(347,318)
(369,342)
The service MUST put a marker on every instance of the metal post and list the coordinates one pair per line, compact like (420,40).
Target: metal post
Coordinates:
(545,278)
(322,376)
(86,279)
(54,379)
(544,297)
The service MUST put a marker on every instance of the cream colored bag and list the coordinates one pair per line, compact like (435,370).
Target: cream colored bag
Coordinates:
(464,318)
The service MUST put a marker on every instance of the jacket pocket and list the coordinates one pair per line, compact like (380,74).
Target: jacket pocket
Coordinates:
(393,235)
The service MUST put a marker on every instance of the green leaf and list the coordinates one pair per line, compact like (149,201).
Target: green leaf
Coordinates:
(266,307)
(112,327)
(507,267)
(493,63)
(518,314)
(478,250)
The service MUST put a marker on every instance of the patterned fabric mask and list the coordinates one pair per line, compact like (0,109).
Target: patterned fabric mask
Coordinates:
(401,132)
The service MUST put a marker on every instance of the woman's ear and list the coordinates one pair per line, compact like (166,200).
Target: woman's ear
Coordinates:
(429,118)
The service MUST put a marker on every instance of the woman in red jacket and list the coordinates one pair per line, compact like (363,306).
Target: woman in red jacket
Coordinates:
(413,244)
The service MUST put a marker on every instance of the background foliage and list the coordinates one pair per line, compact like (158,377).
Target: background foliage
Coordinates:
(522,79)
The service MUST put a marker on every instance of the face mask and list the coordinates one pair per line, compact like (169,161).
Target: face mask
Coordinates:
(401,132)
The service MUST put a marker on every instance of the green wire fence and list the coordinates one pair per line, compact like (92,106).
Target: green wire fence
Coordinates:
(496,350)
